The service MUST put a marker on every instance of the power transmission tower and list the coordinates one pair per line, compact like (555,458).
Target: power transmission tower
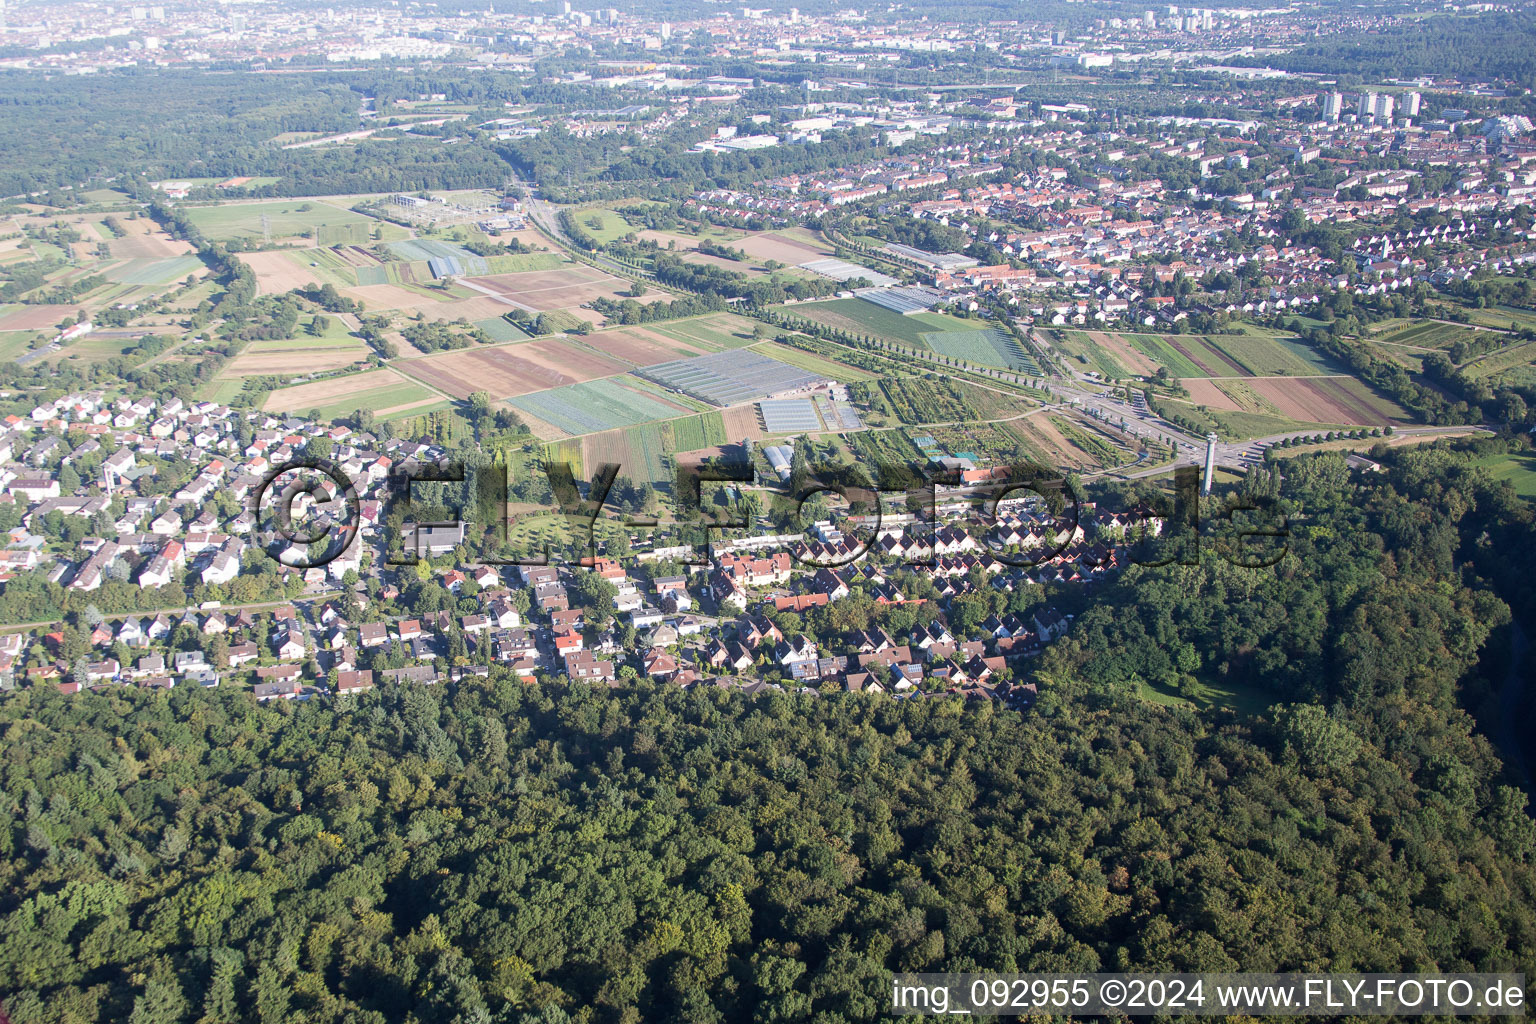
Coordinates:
(266,229)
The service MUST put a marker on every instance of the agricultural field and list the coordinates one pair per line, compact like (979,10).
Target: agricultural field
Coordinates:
(1104,451)
(143,239)
(1502,317)
(1187,356)
(914,400)
(792,246)
(638,451)
(567,286)
(706,430)
(286,219)
(525,262)
(156,273)
(828,368)
(1423,334)
(1497,362)
(508,370)
(860,317)
(1091,350)
(34,318)
(1340,400)
(1041,440)
(384,391)
(292,362)
(729,378)
(713,332)
(594,406)
(639,346)
(989,346)
(500,329)
(222,391)
(1270,356)
(282,271)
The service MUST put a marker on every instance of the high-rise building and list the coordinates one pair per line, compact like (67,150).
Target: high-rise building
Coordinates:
(1382,109)
(1367,105)
(1149,19)
(1333,106)
(1411,104)
(794,15)
(666,30)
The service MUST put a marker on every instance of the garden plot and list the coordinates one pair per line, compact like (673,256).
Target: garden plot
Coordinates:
(593,406)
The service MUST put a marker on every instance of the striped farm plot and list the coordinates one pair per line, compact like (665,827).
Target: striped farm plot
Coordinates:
(155,273)
(383,391)
(1500,360)
(715,332)
(593,406)
(986,347)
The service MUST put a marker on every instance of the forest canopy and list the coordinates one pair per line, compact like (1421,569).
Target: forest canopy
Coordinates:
(496,852)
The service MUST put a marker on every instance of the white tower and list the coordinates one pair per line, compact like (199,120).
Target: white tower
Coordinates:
(1210,463)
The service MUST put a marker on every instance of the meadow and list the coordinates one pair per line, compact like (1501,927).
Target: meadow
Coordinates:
(286,218)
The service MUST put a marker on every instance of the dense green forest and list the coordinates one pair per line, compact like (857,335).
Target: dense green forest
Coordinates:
(494,852)
(1477,49)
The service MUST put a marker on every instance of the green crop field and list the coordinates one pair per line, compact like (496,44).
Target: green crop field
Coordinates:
(1502,317)
(499,328)
(593,406)
(154,272)
(1271,357)
(860,317)
(522,262)
(1080,346)
(1425,334)
(1496,362)
(705,430)
(1159,351)
(715,332)
(812,362)
(285,218)
(987,347)
(380,400)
